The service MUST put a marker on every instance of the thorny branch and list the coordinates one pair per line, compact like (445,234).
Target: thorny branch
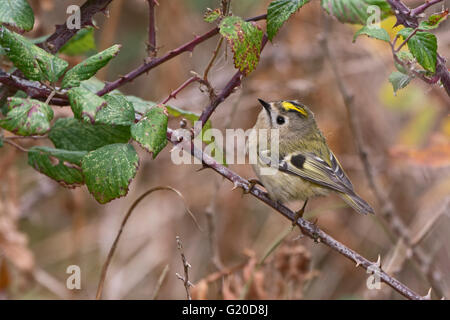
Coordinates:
(147,66)
(55,42)
(63,34)
(41,92)
(33,89)
(173,94)
(420,9)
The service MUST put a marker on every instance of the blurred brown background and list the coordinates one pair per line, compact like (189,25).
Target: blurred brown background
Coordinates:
(44,228)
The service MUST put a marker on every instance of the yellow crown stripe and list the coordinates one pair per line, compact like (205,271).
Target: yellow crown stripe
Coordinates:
(289,106)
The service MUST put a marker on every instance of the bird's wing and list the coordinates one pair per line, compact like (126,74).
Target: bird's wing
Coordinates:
(314,169)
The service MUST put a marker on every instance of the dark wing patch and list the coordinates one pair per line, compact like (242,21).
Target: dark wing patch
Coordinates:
(298,160)
(317,170)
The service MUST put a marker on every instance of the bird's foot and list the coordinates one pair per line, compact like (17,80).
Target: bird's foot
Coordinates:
(252,184)
(299,213)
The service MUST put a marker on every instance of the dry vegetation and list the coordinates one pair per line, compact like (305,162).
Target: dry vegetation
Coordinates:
(45,228)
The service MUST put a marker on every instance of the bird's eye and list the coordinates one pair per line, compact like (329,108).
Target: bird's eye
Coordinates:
(280,120)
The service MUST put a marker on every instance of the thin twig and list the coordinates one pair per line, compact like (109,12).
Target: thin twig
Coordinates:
(15,145)
(225,11)
(151,46)
(213,58)
(122,226)
(161,279)
(173,94)
(50,97)
(186,267)
(406,40)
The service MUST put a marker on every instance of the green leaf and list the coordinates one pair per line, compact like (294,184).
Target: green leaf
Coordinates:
(85,104)
(423,46)
(355,11)
(434,20)
(278,12)
(27,117)
(35,63)
(212,15)
(4,101)
(109,170)
(17,13)
(406,57)
(245,42)
(150,131)
(140,105)
(399,80)
(373,32)
(61,165)
(119,111)
(89,67)
(188,115)
(93,84)
(82,43)
(76,135)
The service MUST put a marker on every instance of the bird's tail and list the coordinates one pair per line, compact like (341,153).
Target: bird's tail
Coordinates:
(357,203)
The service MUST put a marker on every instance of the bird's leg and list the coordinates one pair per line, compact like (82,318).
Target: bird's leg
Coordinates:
(299,213)
(252,183)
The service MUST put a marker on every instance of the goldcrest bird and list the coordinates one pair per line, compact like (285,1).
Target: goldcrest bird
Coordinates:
(306,166)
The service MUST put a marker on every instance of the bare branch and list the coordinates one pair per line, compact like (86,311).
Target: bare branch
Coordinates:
(174,93)
(186,267)
(15,145)
(161,279)
(213,58)
(420,9)
(151,46)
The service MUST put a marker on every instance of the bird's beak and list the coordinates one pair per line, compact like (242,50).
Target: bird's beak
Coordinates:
(266,105)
